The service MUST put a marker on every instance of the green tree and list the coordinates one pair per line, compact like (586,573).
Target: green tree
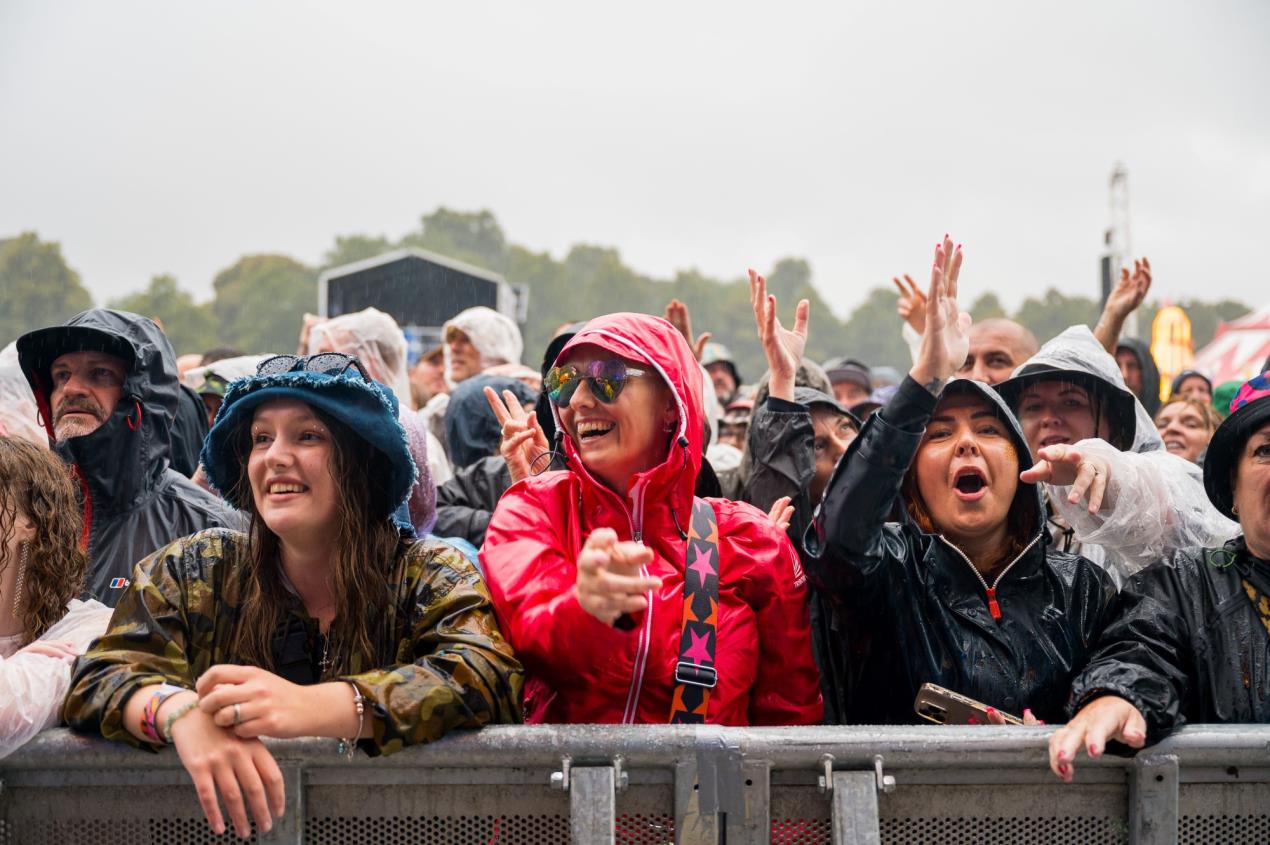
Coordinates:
(37,288)
(872,332)
(1054,311)
(350,248)
(260,302)
(187,324)
(987,307)
(474,237)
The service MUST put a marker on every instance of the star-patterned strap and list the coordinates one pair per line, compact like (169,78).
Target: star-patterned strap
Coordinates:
(695,673)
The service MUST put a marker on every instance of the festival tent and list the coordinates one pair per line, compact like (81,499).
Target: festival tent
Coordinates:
(1239,349)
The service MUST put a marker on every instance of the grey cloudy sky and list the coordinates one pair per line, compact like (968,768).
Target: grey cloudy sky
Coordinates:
(155,137)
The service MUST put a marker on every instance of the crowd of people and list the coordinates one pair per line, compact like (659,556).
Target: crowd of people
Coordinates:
(206,550)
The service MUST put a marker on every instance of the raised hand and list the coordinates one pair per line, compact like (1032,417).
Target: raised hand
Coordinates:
(1062,465)
(678,315)
(912,303)
(946,342)
(523,441)
(783,347)
(1131,289)
(781,513)
(609,580)
(1106,718)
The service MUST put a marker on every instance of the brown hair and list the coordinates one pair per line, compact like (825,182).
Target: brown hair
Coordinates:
(363,558)
(35,482)
(1206,411)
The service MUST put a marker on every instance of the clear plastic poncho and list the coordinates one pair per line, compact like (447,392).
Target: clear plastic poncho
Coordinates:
(376,340)
(1155,502)
(226,370)
(19,416)
(496,336)
(32,686)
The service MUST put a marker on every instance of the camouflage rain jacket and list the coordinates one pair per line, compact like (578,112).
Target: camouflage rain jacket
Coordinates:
(443,663)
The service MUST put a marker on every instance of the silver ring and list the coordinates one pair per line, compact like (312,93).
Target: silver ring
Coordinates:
(238,714)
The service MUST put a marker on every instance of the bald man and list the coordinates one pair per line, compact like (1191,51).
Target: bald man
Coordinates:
(997,346)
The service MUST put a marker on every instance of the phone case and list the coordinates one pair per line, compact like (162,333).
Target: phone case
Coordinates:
(945,707)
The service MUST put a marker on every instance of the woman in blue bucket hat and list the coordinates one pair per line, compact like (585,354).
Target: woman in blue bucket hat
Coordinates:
(326,619)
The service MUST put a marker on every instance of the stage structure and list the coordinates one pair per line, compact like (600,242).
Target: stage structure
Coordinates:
(420,289)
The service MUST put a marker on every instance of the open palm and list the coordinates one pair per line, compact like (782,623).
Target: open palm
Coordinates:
(783,347)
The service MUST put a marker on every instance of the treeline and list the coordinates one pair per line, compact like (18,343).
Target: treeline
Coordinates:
(257,302)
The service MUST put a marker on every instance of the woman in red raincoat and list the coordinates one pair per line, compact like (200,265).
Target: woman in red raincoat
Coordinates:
(587,565)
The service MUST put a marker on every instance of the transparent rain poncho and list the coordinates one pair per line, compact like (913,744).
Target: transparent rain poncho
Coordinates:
(216,376)
(376,340)
(1155,504)
(494,335)
(19,416)
(32,686)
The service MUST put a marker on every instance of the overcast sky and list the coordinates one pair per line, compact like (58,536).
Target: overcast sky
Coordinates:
(152,137)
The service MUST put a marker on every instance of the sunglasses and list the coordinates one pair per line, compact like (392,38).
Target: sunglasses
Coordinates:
(326,363)
(606,378)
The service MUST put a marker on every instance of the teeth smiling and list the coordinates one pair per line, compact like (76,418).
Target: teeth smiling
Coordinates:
(286,488)
(593,427)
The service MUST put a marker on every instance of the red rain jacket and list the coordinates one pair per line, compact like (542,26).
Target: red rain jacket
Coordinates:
(580,670)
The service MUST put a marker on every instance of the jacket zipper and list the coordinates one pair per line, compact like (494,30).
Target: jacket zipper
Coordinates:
(636,518)
(994,607)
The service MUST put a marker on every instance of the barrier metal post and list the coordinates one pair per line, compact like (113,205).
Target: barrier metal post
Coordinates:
(289,827)
(855,809)
(1153,800)
(592,805)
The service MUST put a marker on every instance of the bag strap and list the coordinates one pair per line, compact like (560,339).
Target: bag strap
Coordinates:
(695,673)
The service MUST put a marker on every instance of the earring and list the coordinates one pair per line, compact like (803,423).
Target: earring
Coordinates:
(1234,509)
(22,562)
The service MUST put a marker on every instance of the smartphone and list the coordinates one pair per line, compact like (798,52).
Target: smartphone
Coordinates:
(945,707)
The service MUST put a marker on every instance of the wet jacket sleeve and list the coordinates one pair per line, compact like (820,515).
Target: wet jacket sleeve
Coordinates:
(1144,654)
(455,668)
(1154,506)
(466,502)
(531,570)
(147,643)
(851,548)
(783,459)
(32,686)
(786,689)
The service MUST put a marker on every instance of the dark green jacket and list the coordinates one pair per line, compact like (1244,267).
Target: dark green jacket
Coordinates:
(442,661)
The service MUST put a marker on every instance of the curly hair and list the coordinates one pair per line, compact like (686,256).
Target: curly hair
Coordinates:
(364,554)
(35,483)
(1206,412)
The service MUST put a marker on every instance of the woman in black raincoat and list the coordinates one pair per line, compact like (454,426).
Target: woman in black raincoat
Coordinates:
(1190,639)
(964,592)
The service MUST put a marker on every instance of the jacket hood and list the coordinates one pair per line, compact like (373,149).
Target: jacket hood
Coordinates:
(494,335)
(1029,503)
(1076,354)
(123,459)
(375,339)
(367,408)
(1150,395)
(542,407)
(656,343)
(472,431)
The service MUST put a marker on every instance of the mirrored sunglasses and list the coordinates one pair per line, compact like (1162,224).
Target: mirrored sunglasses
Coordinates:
(606,380)
(327,363)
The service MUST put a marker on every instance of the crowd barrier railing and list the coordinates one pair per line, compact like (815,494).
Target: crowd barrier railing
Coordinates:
(652,785)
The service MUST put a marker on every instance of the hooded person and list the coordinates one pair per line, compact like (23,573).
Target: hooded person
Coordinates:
(18,414)
(1139,372)
(1188,641)
(1192,384)
(963,590)
(1097,447)
(590,566)
(326,619)
(720,366)
(472,431)
(374,338)
(133,501)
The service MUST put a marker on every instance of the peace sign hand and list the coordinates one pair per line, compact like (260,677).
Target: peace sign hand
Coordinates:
(523,441)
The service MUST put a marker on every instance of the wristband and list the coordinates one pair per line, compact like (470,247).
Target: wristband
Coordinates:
(149,716)
(176,714)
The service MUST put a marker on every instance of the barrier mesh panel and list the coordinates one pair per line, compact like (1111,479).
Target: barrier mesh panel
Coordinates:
(1003,831)
(641,829)
(439,830)
(801,831)
(1206,829)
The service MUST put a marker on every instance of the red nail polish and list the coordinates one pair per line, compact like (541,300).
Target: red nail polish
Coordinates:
(972,721)
(992,711)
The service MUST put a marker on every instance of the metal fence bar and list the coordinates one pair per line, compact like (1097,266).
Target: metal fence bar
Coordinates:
(592,805)
(289,829)
(1153,800)
(855,809)
(753,826)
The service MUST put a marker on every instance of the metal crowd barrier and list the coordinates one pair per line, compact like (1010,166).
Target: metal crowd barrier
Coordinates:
(547,785)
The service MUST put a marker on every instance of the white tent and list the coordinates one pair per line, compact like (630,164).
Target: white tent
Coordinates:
(1239,350)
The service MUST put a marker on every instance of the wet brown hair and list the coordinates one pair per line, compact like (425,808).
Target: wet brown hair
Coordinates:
(35,482)
(365,554)
(1205,411)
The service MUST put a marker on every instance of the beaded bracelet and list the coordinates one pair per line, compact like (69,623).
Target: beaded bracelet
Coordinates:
(348,746)
(176,714)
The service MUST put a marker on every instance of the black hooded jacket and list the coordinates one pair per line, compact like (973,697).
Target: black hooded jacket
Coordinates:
(1187,642)
(134,503)
(1150,394)
(913,607)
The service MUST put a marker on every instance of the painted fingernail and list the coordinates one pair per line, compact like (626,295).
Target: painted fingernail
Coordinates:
(972,721)
(1093,749)
(992,711)
(1027,711)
